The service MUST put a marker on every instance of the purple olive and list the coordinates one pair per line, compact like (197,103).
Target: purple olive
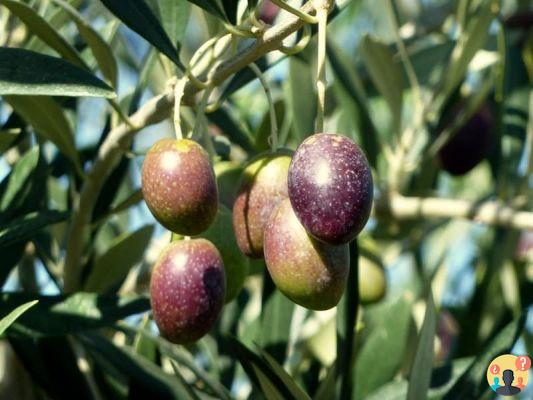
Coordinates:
(187,289)
(179,186)
(330,187)
(311,273)
(263,186)
(470,145)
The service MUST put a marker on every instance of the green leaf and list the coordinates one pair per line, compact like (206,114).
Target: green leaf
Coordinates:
(443,377)
(55,17)
(388,331)
(139,17)
(49,121)
(230,9)
(385,74)
(467,46)
(66,314)
(101,50)
(302,97)
(123,253)
(174,16)
(346,321)
(296,391)
(6,321)
(263,375)
(263,133)
(25,227)
(347,75)
(178,354)
(276,316)
(24,72)
(473,383)
(147,376)
(420,376)
(7,137)
(211,6)
(19,176)
(42,29)
(232,128)
(190,391)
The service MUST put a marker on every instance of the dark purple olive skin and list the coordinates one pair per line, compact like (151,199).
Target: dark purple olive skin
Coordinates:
(311,273)
(187,290)
(470,145)
(330,187)
(179,186)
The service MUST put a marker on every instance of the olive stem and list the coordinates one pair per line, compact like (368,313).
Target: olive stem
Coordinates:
(272,110)
(301,45)
(309,19)
(321,79)
(179,90)
(421,208)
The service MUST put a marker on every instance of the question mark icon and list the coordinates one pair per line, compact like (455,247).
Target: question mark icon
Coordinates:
(495,369)
(523,363)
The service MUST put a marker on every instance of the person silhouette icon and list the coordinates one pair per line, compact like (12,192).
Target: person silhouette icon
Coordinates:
(496,383)
(508,389)
(520,383)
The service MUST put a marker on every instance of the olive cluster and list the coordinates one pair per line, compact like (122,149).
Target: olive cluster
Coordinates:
(299,211)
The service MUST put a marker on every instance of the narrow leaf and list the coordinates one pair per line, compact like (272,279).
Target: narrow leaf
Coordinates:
(138,16)
(6,321)
(101,50)
(467,46)
(350,81)
(42,29)
(385,74)
(420,376)
(7,137)
(211,6)
(301,97)
(24,72)
(296,391)
(66,314)
(123,253)
(262,374)
(388,335)
(25,227)
(473,384)
(174,16)
(190,391)
(19,175)
(147,376)
(49,121)
(276,316)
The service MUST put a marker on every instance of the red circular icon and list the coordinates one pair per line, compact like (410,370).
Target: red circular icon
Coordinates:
(523,363)
(495,369)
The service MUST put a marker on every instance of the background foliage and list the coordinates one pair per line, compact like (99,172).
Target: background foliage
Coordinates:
(458,292)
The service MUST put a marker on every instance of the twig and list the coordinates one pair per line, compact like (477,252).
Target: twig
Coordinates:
(489,212)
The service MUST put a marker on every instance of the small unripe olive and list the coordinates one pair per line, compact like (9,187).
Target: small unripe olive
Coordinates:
(372,281)
(330,187)
(264,185)
(179,187)
(311,273)
(187,289)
